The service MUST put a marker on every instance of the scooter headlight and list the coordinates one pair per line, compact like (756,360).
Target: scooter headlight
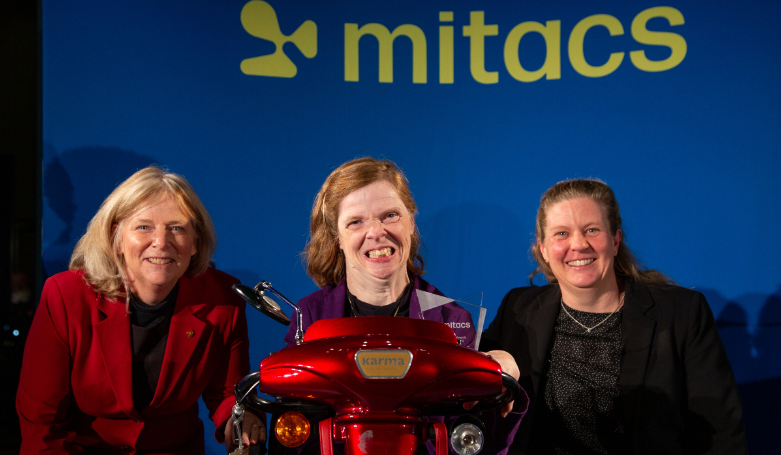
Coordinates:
(467,439)
(292,429)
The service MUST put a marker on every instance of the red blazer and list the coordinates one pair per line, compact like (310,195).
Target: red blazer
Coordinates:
(75,392)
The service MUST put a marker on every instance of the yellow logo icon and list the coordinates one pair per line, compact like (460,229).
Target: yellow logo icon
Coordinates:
(383,363)
(260,20)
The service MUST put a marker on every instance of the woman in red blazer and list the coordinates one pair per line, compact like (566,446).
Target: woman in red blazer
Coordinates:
(107,370)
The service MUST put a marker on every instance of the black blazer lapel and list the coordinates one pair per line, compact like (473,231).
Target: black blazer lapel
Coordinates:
(536,326)
(638,325)
(539,323)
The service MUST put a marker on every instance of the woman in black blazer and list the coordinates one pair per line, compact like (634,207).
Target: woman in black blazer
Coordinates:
(615,359)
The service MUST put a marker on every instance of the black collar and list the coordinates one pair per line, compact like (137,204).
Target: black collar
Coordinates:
(143,315)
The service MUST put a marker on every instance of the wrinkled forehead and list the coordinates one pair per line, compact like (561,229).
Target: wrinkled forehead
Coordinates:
(371,200)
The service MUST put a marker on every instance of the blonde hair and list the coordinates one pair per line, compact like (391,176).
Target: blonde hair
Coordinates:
(323,258)
(96,251)
(626,265)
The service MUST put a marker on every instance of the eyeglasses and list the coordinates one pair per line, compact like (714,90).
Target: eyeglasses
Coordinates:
(363,224)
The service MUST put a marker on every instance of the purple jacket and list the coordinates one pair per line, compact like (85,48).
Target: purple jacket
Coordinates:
(328,303)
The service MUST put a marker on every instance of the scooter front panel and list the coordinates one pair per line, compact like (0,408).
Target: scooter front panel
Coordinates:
(328,370)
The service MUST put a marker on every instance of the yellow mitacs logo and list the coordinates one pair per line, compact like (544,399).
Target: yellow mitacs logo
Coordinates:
(260,20)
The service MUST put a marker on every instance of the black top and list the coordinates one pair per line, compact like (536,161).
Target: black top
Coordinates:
(143,315)
(581,385)
(149,336)
(355,307)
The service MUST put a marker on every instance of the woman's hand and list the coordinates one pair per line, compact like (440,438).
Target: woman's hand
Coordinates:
(253,431)
(507,362)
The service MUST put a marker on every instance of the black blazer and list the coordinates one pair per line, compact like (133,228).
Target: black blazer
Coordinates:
(677,391)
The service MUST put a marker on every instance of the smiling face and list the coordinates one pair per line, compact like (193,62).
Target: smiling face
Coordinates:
(157,243)
(375,232)
(578,245)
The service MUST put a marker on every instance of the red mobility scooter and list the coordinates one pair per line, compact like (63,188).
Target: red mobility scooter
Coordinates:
(381,385)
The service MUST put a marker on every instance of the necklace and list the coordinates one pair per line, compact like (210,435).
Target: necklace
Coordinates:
(355,311)
(589,329)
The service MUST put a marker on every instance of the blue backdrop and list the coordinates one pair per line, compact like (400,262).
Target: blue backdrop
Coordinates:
(483,104)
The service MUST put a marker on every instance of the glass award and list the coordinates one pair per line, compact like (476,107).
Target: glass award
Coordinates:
(429,302)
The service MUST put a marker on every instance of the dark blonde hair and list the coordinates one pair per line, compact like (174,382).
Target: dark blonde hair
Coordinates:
(626,265)
(324,259)
(96,251)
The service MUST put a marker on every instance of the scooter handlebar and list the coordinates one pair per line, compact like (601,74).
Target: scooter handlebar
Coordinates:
(512,388)
(244,396)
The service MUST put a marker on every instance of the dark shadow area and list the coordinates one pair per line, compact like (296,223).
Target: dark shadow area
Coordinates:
(14,320)
(75,183)
(761,402)
(762,399)
(733,328)
(58,192)
(19,166)
(767,338)
(756,361)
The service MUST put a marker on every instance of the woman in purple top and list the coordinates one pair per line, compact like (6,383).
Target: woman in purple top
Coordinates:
(364,253)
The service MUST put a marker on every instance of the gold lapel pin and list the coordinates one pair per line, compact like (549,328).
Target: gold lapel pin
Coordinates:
(190,334)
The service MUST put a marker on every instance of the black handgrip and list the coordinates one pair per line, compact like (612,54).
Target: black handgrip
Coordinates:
(243,388)
(456,409)
(280,407)
(512,388)
(244,395)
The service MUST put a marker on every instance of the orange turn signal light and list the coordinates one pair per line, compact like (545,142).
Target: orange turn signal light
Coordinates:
(292,429)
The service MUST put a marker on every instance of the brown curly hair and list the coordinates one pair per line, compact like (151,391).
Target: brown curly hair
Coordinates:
(324,259)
